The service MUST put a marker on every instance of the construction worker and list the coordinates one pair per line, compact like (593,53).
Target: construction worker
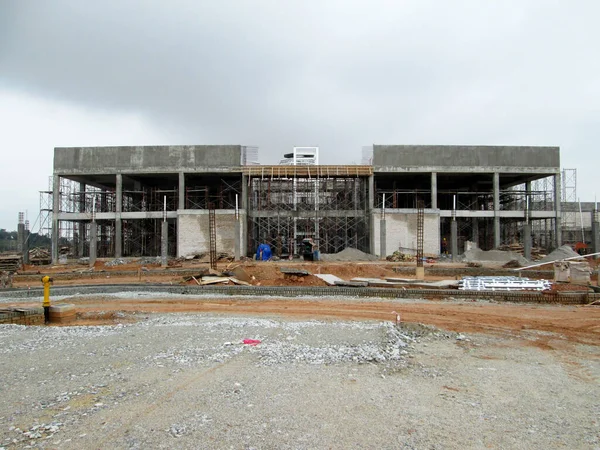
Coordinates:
(444,250)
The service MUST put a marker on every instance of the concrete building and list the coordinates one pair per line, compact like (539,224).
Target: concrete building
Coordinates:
(147,201)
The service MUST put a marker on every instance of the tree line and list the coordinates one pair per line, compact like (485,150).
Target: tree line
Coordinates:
(8,241)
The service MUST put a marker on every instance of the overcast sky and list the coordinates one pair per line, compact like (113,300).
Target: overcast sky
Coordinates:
(337,74)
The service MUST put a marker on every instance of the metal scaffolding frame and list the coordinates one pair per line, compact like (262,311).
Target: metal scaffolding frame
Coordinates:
(330,211)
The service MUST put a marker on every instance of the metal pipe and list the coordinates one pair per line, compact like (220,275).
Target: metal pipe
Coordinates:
(549,262)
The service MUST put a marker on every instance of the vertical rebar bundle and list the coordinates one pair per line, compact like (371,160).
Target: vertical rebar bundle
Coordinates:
(212,225)
(420,232)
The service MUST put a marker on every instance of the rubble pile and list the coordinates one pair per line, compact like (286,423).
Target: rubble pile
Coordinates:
(39,256)
(10,263)
(398,256)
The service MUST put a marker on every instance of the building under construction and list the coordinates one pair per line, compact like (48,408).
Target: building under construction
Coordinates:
(137,201)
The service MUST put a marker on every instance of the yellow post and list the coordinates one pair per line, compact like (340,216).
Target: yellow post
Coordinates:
(47,281)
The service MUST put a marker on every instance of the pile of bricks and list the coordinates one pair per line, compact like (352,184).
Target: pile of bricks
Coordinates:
(22,316)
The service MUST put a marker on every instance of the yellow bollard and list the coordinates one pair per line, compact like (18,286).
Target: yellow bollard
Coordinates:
(47,281)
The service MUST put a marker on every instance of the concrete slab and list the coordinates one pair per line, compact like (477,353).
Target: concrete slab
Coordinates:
(328,278)
(292,271)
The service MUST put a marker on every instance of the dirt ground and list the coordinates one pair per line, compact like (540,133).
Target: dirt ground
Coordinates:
(575,324)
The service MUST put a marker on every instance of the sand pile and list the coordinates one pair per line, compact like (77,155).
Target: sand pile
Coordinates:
(499,256)
(560,253)
(348,254)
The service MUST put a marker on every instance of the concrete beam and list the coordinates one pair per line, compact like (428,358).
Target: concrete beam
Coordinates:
(147,159)
(113,216)
(308,214)
(466,156)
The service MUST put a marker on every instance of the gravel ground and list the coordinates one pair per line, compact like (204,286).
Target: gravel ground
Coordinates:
(187,381)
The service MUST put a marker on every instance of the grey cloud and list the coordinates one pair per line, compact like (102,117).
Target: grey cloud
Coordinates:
(336,74)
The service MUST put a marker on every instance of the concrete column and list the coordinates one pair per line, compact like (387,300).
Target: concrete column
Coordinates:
(26,247)
(434,190)
(454,239)
(55,211)
(496,209)
(118,237)
(237,243)
(475,229)
(118,223)
(181,191)
(23,242)
(382,239)
(557,210)
(81,225)
(164,243)
(527,241)
(244,199)
(82,236)
(20,237)
(595,233)
(93,242)
(370,207)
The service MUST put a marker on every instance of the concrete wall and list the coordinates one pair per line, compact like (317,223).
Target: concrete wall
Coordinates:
(193,234)
(453,157)
(150,159)
(401,232)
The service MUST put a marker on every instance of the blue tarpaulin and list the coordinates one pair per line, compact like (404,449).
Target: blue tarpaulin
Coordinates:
(263,253)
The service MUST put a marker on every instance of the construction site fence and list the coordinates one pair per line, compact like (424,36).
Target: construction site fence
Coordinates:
(563,298)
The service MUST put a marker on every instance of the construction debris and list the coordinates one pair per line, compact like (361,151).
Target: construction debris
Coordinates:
(239,282)
(39,256)
(512,264)
(292,271)
(536,252)
(507,283)
(572,272)
(10,263)
(115,262)
(6,280)
(213,280)
(329,279)
(398,256)
(344,283)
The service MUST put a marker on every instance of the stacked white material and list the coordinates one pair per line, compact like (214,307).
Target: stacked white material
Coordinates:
(503,284)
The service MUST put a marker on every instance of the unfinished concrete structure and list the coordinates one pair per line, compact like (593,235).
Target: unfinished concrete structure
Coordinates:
(115,201)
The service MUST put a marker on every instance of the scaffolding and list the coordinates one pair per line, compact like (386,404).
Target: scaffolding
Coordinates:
(569,224)
(330,211)
(221,194)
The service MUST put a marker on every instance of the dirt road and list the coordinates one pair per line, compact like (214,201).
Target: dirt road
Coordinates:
(579,324)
